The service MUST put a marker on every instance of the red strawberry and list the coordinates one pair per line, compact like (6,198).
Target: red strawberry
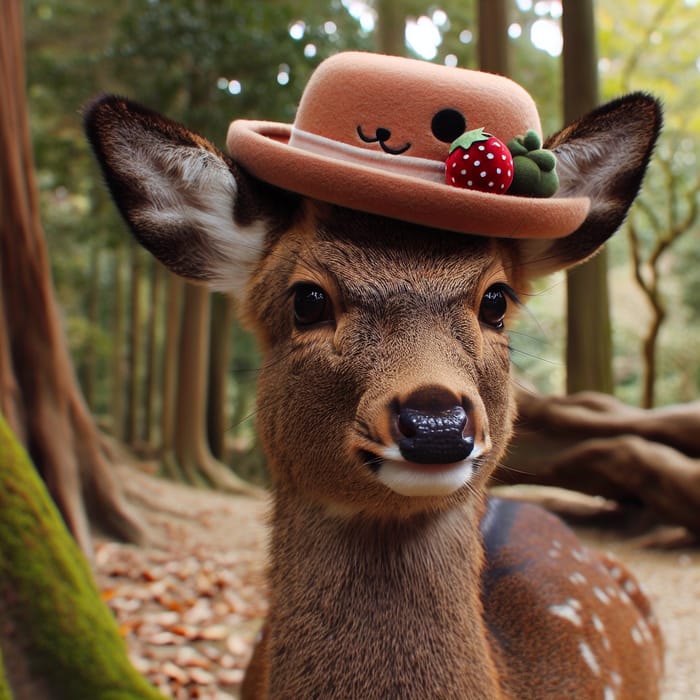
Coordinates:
(479,161)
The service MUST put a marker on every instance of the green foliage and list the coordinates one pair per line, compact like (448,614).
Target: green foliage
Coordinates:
(653,47)
(70,636)
(183,56)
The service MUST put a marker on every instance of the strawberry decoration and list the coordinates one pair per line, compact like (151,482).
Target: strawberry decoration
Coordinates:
(479,161)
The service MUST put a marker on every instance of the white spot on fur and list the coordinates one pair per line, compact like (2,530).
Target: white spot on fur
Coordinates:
(608,693)
(598,624)
(577,578)
(589,658)
(646,632)
(567,612)
(579,555)
(611,591)
(637,636)
(600,594)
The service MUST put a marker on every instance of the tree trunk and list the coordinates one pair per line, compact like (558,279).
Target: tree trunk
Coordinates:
(134,365)
(118,361)
(171,361)
(190,407)
(45,403)
(151,383)
(493,36)
(219,365)
(89,365)
(58,639)
(588,342)
(191,446)
(391,28)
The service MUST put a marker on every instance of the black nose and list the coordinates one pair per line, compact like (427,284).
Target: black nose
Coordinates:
(434,436)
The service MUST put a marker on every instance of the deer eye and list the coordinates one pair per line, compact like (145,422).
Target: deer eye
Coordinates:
(311,305)
(494,305)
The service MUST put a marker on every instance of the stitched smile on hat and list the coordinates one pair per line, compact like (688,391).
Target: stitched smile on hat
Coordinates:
(381,137)
(374,132)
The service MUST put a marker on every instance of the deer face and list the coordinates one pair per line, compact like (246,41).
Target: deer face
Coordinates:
(386,372)
(384,387)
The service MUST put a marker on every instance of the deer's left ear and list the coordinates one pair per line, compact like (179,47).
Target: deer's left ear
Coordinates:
(603,156)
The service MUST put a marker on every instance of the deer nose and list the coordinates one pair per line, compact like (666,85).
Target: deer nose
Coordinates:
(431,428)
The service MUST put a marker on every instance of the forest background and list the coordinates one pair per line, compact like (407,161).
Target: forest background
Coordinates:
(133,329)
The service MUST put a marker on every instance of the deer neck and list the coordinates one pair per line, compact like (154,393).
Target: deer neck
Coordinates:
(377,610)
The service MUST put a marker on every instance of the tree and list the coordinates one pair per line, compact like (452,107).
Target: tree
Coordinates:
(668,209)
(649,272)
(588,343)
(59,641)
(40,394)
(391,27)
(493,36)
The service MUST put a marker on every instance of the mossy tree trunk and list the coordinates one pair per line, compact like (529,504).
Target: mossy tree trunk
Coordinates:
(58,641)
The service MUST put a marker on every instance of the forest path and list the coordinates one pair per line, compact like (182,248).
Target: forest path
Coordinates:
(190,609)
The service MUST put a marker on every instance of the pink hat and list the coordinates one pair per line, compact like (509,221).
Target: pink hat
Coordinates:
(373,133)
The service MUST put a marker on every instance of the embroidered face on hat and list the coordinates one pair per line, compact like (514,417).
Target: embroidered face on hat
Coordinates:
(418,142)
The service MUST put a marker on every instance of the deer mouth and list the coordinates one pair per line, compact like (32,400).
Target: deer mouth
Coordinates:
(416,479)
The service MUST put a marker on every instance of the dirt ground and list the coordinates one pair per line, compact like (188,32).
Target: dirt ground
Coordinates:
(190,608)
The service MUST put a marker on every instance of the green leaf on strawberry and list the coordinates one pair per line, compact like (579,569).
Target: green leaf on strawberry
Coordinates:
(534,167)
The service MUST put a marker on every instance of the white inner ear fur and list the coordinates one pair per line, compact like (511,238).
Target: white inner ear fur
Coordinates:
(586,166)
(191,188)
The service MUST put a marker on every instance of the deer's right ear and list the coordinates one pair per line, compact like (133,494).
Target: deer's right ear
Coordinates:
(187,203)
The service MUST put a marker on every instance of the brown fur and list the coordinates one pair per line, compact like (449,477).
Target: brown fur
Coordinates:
(375,594)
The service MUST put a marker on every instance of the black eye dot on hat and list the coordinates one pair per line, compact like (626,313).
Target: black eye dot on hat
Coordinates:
(448,124)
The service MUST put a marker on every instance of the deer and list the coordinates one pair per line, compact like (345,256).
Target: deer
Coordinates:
(381,298)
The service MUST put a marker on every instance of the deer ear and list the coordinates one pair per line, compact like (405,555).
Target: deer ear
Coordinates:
(187,203)
(603,156)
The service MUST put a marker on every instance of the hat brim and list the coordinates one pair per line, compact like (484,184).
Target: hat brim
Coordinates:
(263,149)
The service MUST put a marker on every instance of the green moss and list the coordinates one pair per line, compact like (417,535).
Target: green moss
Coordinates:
(4,688)
(70,637)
